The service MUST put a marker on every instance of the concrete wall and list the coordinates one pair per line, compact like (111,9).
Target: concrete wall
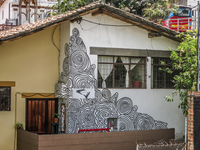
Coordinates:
(99,141)
(32,62)
(149,101)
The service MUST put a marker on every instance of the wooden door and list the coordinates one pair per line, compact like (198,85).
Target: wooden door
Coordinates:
(39,115)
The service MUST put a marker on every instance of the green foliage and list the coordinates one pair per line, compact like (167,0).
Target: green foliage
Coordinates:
(69,5)
(152,9)
(136,78)
(158,9)
(133,6)
(185,61)
(19,126)
(56,115)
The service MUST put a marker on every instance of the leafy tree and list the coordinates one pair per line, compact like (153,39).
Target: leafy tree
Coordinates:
(184,61)
(132,6)
(158,9)
(151,9)
(67,5)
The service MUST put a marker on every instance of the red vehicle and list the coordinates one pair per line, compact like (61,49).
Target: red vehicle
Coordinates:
(180,21)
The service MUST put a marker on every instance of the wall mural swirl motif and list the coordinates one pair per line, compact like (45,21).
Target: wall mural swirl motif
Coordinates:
(89,113)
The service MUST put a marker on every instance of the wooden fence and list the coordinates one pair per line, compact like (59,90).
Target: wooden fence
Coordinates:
(125,140)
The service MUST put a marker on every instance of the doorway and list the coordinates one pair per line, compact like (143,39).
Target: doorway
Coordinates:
(39,115)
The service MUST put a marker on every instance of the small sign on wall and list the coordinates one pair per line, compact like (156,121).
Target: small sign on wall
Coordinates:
(83,93)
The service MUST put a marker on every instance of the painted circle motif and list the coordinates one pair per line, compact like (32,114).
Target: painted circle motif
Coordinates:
(70,83)
(79,41)
(87,118)
(74,47)
(79,61)
(160,125)
(125,123)
(83,81)
(106,94)
(124,105)
(144,122)
(72,40)
(75,32)
(103,112)
(74,105)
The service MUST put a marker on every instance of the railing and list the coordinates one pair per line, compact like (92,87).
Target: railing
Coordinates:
(181,24)
(6,27)
(88,130)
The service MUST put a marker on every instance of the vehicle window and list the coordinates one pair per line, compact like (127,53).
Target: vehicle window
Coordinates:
(183,12)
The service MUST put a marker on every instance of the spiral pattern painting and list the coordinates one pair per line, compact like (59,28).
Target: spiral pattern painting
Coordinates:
(144,122)
(79,61)
(125,123)
(90,113)
(124,105)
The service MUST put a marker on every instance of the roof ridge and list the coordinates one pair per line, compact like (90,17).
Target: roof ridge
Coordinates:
(26,29)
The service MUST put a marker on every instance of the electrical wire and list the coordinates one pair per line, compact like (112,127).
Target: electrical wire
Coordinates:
(113,25)
(57,48)
(53,38)
(89,28)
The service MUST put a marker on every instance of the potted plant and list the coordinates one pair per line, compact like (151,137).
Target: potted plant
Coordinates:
(137,81)
(19,126)
(55,119)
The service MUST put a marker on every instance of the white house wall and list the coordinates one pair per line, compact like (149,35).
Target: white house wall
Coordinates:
(148,101)
(46,8)
(4,8)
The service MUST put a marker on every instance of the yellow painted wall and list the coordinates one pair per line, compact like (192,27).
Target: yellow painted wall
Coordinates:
(32,62)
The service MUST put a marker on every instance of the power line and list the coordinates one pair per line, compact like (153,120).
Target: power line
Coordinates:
(102,24)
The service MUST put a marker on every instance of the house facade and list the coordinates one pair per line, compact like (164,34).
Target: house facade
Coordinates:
(34,69)
(106,61)
(18,12)
(90,59)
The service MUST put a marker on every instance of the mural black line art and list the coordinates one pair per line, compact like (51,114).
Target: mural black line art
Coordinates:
(79,61)
(83,81)
(89,113)
(124,105)
(83,92)
(125,123)
(144,122)
(106,94)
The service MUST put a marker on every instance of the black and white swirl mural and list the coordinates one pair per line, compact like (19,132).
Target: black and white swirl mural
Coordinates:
(91,113)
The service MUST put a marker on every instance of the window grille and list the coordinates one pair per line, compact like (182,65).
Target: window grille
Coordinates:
(120,72)
(5,98)
(160,77)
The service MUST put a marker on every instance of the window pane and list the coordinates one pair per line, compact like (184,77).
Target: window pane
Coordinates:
(105,71)
(109,80)
(125,59)
(106,59)
(138,60)
(160,77)
(138,76)
(120,76)
(5,98)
